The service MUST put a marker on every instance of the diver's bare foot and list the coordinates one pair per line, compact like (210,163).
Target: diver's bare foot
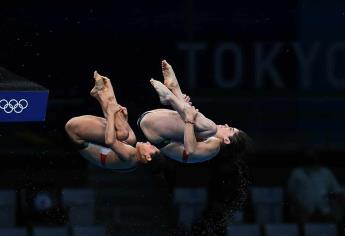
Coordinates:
(170,80)
(102,83)
(99,84)
(100,91)
(95,92)
(162,90)
(102,86)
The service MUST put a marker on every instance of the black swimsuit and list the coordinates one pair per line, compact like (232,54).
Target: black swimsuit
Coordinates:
(159,145)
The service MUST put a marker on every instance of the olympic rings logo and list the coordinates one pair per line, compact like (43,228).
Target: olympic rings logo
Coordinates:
(13,105)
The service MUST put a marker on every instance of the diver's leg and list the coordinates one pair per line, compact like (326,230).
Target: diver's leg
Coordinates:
(88,134)
(122,128)
(170,80)
(204,127)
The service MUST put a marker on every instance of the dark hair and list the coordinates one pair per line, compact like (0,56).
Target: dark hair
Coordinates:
(240,145)
(228,187)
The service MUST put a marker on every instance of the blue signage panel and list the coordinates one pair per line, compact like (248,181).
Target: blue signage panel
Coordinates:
(18,106)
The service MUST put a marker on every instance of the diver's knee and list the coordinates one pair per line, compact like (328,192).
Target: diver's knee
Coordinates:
(213,129)
(146,122)
(72,125)
(122,135)
(131,140)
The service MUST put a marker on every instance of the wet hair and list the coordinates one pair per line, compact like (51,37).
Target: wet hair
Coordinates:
(240,144)
(228,189)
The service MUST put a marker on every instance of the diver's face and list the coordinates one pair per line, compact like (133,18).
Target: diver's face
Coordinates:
(225,132)
(146,151)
